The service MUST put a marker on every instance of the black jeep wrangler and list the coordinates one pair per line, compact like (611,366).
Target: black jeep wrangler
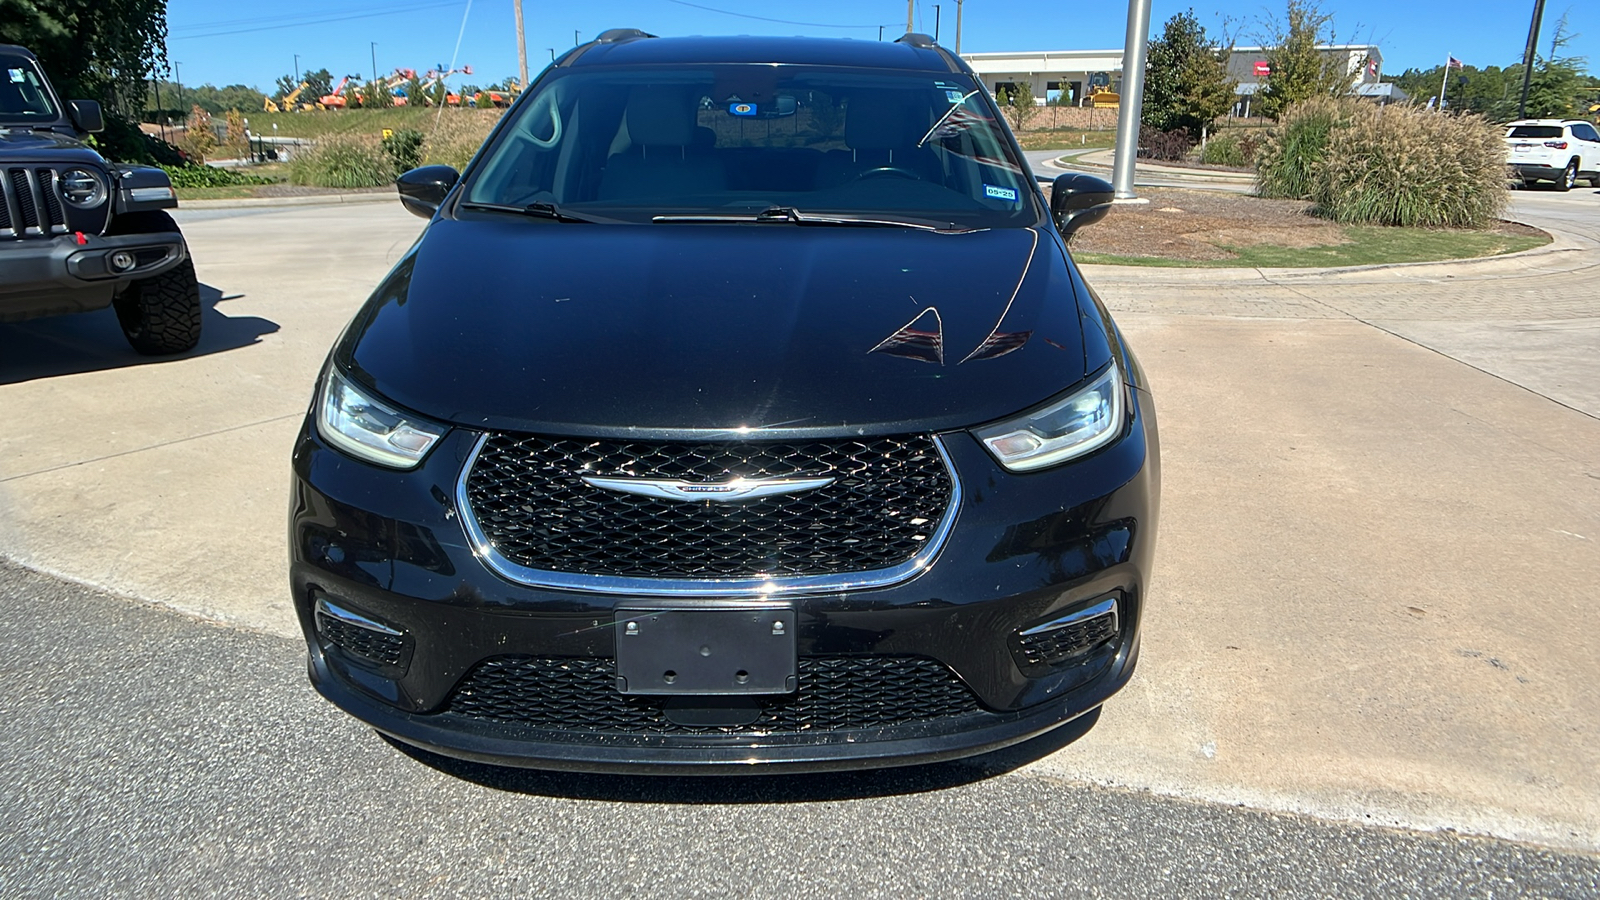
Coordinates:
(78,233)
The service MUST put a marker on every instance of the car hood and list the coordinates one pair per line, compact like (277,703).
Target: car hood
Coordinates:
(612,330)
(17,142)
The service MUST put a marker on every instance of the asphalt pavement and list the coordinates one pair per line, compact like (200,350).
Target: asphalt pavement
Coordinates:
(147,754)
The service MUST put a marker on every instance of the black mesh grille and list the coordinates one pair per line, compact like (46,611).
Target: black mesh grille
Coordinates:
(886,501)
(835,693)
(1058,644)
(374,645)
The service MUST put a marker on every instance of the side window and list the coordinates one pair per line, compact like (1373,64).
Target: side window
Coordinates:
(1585,132)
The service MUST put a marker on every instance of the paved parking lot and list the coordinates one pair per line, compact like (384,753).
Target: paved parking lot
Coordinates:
(1375,594)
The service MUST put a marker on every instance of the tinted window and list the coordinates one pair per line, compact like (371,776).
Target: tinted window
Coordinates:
(1535,131)
(630,143)
(23,97)
(1586,132)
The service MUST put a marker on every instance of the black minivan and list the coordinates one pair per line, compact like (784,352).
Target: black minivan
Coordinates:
(740,408)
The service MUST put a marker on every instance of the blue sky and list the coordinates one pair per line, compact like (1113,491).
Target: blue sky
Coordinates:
(231,43)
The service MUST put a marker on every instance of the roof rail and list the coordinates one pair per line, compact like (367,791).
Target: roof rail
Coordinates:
(915,39)
(617,35)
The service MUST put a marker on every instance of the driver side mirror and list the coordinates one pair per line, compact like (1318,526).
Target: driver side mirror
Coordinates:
(1077,200)
(422,190)
(86,116)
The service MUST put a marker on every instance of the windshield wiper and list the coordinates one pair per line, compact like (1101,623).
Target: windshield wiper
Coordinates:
(536,210)
(791,215)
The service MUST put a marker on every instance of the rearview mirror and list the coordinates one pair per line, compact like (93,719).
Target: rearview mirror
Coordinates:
(86,116)
(1077,200)
(422,190)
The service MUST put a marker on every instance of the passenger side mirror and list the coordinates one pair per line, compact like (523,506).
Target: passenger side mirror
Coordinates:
(86,116)
(422,190)
(1077,200)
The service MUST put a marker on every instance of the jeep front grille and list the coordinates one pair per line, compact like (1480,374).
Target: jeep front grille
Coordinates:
(32,203)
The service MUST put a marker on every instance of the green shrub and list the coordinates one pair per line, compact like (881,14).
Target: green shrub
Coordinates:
(1291,151)
(343,161)
(404,147)
(1230,148)
(207,176)
(1402,165)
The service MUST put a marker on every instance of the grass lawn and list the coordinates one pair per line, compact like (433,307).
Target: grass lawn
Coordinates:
(232,192)
(1066,139)
(1367,245)
(316,123)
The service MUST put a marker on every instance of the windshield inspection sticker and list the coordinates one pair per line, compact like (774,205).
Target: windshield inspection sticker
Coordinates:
(1000,193)
(954,96)
(16,75)
(742,109)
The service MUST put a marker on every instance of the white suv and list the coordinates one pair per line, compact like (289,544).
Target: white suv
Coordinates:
(1559,150)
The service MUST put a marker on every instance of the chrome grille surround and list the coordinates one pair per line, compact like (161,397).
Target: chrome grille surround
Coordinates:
(507,568)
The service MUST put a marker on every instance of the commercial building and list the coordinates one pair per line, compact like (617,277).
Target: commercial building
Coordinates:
(1067,77)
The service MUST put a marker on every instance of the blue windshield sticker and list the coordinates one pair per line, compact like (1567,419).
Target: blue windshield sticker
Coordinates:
(1000,193)
(954,96)
(742,109)
(16,75)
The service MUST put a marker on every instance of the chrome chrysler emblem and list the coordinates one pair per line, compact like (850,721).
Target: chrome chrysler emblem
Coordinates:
(718,491)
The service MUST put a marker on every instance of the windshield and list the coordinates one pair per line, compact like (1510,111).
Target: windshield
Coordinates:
(23,96)
(636,143)
(1535,131)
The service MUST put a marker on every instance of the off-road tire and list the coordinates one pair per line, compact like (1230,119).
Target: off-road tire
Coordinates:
(161,315)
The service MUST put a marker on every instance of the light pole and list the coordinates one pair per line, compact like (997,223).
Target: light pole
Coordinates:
(522,43)
(880,32)
(574,37)
(936,23)
(297,68)
(958,27)
(1132,101)
(374,61)
(178,74)
(552,53)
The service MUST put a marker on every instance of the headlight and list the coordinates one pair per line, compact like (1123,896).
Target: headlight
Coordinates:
(1083,422)
(83,188)
(369,430)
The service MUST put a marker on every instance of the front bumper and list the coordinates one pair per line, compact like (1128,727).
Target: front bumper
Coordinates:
(1024,549)
(50,276)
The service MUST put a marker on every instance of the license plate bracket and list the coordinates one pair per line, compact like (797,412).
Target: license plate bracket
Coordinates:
(723,651)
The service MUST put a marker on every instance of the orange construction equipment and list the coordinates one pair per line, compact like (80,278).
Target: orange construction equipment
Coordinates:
(336,100)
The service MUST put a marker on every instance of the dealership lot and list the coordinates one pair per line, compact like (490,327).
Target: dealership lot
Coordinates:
(1374,591)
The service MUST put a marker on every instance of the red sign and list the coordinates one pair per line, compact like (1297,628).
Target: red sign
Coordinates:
(1263,70)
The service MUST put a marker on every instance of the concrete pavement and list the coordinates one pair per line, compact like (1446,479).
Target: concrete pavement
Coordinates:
(147,755)
(1375,592)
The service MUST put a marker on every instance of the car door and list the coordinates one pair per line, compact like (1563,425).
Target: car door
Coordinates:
(1588,140)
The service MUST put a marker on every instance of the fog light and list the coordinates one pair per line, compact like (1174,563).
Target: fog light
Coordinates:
(121,261)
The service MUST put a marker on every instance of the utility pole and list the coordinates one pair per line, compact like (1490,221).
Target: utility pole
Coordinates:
(374,61)
(911,8)
(522,44)
(880,32)
(552,53)
(574,37)
(178,74)
(1134,50)
(1527,57)
(958,27)
(297,68)
(936,23)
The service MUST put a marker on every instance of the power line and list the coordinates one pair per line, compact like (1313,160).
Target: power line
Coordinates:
(764,18)
(301,23)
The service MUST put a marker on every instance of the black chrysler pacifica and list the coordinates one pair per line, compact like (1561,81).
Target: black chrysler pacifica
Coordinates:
(740,407)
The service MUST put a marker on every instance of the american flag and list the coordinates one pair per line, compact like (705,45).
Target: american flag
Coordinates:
(1453,63)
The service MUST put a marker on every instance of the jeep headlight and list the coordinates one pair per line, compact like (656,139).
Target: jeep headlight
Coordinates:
(83,188)
(370,430)
(1078,424)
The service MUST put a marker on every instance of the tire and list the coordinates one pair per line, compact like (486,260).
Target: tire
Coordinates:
(161,315)
(1569,177)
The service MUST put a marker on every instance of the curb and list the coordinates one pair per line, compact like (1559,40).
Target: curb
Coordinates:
(302,200)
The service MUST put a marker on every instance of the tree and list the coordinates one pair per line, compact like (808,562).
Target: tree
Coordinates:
(198,140)
(1559,85)
(92,48)
(1299,70)
(1017,104)
(1186,82)
(375,95)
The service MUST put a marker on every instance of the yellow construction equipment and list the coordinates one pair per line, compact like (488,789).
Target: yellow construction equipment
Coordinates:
(291,101)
